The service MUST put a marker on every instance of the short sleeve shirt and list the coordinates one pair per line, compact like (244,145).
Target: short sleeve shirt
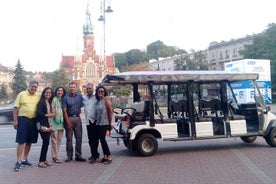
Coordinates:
(72,103)
(26,103)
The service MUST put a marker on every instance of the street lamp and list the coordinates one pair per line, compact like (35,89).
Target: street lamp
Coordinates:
(103,19)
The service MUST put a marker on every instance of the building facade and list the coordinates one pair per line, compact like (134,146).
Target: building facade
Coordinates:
(226,51)
(89,67)
(217,54)
(163,64)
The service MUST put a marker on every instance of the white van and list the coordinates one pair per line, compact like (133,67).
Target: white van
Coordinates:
(188,105)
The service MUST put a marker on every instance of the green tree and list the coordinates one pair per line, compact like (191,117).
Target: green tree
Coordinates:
(136,56)
(120,60)
(3,92)
(264,47)
(159,49)
(120,91)
(59,78)
(19,79)
(154,51)
(195,60)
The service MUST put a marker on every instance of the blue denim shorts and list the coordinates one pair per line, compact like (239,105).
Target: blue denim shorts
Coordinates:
(26,131)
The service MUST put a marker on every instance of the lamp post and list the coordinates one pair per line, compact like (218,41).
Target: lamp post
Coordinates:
(103,19)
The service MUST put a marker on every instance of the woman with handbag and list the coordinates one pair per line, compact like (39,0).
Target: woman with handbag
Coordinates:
(45,112)
(103,121)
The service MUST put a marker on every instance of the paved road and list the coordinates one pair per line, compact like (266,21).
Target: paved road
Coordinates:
(209,161)
(220,161)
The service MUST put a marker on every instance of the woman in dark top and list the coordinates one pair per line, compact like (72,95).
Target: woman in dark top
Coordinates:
(44,113)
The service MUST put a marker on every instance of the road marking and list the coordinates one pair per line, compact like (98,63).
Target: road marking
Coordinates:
(253,168)
(103,178)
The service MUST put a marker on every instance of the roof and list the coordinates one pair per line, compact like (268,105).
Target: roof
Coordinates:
(67,61)
(158,77)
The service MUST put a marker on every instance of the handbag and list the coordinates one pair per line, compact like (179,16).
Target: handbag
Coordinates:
(42,128)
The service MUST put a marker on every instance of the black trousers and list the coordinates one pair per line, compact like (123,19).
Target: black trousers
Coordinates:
(101,134)
(93,140)
(45,136)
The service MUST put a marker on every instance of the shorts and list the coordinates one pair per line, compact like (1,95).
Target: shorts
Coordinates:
(26,131)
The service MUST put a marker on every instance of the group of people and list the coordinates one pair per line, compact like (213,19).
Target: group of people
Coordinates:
(52,111)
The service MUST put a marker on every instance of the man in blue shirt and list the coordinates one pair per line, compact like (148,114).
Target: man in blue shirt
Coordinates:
(71,107)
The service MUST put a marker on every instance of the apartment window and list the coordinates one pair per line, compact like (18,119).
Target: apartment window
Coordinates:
(213,56)
(227,53)
(220,55)
(235,53)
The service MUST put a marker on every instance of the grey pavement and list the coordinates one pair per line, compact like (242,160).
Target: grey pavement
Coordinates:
(215,161)
(220,161)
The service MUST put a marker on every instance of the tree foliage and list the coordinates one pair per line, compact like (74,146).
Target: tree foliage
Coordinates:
(264,47)
(3,92)
(154,50)
(59,78)
(19,79)
(192,61)
(120,91)
(120,60)
(136,56)
(159,49)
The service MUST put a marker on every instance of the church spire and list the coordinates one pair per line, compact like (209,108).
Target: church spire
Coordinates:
(88,28)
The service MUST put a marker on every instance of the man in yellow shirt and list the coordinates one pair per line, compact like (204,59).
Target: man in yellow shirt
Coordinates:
(25,124)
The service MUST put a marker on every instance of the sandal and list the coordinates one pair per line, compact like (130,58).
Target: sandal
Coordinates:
(56,160)
(47,163)
(106,160)
(42,165)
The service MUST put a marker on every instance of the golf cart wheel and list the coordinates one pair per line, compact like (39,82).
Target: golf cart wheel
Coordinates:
(249,139)
(270,138)
(147,145)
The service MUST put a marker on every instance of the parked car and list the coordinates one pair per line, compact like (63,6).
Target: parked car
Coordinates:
(6,114)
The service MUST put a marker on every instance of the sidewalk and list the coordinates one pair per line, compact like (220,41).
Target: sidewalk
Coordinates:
(172,164)
(220,161)
(67,173)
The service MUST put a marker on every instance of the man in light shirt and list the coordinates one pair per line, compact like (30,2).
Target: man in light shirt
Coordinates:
(89,102)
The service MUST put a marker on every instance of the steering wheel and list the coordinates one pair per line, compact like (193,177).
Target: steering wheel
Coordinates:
(125,111)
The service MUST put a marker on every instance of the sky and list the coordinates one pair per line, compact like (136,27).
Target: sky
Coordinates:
(39,32)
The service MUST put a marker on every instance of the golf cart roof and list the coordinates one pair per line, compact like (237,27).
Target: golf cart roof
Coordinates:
(159,77)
